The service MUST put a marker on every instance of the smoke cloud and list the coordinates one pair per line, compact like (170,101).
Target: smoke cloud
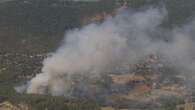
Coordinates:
(89,53)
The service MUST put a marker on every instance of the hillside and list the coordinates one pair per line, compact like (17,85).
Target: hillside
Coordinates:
(31,29)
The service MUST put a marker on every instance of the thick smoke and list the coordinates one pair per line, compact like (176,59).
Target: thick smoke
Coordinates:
(89,53)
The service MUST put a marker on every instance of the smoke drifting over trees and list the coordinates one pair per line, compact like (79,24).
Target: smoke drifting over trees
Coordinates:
(89,53)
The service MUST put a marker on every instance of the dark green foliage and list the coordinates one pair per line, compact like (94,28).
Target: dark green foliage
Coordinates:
(37,27)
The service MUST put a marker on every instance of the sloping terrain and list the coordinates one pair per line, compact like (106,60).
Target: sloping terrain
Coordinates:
(31,29)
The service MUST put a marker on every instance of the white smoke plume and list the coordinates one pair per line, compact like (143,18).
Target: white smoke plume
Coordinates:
(90,52)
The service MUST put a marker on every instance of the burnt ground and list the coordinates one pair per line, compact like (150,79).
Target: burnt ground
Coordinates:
(30,29)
